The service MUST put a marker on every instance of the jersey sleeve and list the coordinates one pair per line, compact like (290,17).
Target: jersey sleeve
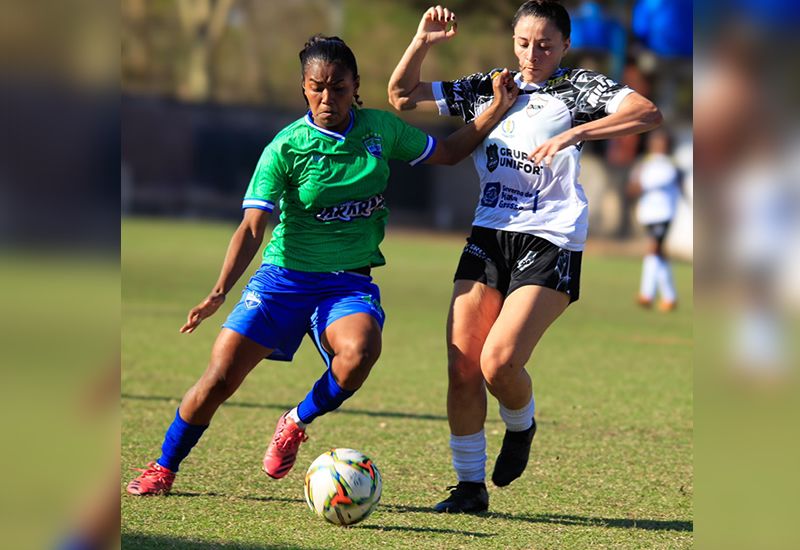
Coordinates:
(269,179)
(598,95)
(407,143)
(461,97)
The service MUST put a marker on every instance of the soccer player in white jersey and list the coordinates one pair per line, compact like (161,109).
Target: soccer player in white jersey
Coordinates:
(656,180)
(520,268)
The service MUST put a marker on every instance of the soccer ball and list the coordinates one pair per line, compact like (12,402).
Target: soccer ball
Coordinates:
(343,486)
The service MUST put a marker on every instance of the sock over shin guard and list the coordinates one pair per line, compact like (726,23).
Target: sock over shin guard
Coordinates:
(326,396)
(518,420)
(469,456)
(178,442)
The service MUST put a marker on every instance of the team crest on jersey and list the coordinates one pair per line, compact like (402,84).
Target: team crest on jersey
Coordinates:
(252,300)
(373,143)
(492,158)
(534,107)
(491,194)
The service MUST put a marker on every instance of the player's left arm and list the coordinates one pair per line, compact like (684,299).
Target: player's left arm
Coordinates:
(458,145)
(636,114)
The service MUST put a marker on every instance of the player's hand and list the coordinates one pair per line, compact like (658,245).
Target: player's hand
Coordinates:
(546,151)
(434,25)
(203,310)
(505,91)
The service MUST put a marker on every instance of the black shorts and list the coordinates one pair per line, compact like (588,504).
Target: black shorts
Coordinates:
(507,260)
(658,230)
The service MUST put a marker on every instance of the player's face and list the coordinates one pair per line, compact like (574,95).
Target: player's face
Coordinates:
(330,89)
(539,47)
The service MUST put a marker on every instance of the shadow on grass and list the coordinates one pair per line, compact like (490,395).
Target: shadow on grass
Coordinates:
(132,541)
(424,530)
(563,519)
(286,407)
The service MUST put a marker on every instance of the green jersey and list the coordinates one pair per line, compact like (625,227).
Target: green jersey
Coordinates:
(330,187)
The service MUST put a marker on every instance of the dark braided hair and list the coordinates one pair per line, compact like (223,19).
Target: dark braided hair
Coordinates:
(329,49)
(547,9)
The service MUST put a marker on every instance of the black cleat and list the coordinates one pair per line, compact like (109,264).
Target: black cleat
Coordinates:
(513,456)
(465,498)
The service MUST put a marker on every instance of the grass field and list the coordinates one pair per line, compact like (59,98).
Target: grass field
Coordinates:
(612,460)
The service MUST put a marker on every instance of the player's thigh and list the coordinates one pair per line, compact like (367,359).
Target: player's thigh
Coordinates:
(525,316)
(234,356)
(473,310)
(357,336)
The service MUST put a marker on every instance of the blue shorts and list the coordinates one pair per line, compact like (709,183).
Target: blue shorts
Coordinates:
(280,305)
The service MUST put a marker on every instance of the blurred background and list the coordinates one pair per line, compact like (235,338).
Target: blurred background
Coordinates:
(207,84)
(176,99)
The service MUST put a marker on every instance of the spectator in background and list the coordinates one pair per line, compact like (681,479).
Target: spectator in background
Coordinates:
(655,180)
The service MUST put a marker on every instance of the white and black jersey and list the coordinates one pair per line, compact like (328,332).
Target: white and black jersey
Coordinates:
(517,195)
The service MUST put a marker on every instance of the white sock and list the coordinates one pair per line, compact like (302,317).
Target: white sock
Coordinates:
(647,288)
(665,285)
(518,420)
(293,415)
(469,456)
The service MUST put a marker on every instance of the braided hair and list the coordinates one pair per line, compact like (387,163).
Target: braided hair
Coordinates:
(547,9)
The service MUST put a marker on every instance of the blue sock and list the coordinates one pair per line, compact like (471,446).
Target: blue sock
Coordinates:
(324,397)
(178,441)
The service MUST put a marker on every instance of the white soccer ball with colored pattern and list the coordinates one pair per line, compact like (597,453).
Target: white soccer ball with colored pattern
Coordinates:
(343,486)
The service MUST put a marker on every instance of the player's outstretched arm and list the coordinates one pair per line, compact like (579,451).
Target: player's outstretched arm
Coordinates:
(458,145)
(636,114)
(244,245)
(405,89)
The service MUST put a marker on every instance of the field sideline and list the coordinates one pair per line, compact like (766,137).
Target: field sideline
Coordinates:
(611,465)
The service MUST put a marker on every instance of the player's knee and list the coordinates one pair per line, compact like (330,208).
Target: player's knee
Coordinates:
(214,389)
(355,359)
(496,368)
(463,372)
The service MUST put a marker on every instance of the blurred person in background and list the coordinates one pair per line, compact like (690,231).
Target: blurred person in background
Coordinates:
(656,181)
(328,170)
(521,266)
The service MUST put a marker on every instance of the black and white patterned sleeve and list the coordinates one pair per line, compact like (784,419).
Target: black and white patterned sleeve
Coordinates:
(462,97)
(597,95)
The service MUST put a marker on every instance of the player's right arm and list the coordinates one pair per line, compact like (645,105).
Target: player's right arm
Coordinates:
(406,91)
(244,245)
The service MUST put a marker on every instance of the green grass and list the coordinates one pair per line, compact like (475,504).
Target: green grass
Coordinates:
(611,465)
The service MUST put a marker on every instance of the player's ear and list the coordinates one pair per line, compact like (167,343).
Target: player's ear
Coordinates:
(567,44)
(356,84)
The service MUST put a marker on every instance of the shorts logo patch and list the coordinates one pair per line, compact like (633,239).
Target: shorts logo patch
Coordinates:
(252,300)
(491,194)
(492,158)
(527,260)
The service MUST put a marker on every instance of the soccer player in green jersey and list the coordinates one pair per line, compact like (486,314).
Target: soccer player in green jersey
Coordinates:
(327,171)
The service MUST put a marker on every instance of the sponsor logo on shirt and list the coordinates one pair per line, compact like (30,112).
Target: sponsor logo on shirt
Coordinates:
(373,144)
(502,196)
(491,194)
(349,210)
(492,158)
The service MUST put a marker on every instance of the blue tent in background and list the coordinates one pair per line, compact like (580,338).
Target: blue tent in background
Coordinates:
(664,26)
(593,29)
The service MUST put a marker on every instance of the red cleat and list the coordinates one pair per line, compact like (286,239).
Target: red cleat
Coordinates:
(154,480)
(282,451)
